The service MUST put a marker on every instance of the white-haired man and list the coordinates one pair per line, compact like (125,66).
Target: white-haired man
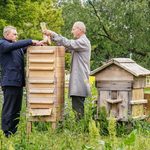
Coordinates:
(80,49)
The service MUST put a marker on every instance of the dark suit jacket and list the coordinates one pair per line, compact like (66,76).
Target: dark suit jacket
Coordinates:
(12,62)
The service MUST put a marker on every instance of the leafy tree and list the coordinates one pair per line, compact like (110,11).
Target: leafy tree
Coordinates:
(117,28)
(124,27)
(27,15)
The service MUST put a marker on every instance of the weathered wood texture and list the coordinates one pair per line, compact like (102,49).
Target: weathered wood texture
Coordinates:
(137,94)
(120,84)
(139,82)
(147,106)
(114,85)
(117,107)
(138,102)
(126,64)
(114,72)
(45,83)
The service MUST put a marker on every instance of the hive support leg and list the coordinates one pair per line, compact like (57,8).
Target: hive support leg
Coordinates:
(53,125)
(29,127)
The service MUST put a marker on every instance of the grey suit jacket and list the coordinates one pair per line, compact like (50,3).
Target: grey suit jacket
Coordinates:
(80,65)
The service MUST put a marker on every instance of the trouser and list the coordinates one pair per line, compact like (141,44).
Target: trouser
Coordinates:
(11,109)
(78,106)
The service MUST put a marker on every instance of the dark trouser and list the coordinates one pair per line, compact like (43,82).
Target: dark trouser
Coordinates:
(11,109)
(78,106)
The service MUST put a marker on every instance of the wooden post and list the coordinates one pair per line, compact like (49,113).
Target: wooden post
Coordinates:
(29,127)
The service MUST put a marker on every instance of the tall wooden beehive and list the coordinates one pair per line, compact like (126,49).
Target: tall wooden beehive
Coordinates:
(120,84)
(45,83)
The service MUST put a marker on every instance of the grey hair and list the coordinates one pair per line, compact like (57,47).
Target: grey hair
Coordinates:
(7,29)
(80,25)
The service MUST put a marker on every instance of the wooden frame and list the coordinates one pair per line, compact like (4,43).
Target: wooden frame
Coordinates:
(45,84)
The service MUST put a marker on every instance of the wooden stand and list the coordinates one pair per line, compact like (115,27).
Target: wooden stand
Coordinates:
(45,84)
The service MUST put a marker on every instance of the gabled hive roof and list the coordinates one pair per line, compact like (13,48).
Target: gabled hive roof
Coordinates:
(125,63)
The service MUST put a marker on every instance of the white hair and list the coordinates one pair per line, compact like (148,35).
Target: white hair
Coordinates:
(80,25)
(7,29)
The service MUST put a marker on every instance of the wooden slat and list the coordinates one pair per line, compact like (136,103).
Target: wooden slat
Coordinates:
(46,91)
(139,117)
(40,112)
(107,85)
(43,118)
(41,81)
(36,74)
(41,95)
(40,61)
(42,68)
(47,51)
(114,101)
(41,56)
(140,101)
(41,65)
(40,106)
(41,100)
(116,89)
(41,86)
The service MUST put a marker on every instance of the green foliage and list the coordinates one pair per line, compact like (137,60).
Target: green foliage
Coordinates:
(124,128)
(95,138)
(102,119)
(117,28)
(93,130)
(27,15)
(112,127)
(130,138)
(67,61)
(1,139)
(81,135)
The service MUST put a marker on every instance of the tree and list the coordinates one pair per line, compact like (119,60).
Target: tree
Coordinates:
(27,15)
(125,27)
(117,28)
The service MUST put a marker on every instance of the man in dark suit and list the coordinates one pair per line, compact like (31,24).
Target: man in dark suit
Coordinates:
(13,79)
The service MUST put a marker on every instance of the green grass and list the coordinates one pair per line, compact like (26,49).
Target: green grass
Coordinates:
(147,90)
(82,135)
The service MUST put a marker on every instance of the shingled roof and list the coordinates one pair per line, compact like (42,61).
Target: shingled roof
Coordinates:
(125,63)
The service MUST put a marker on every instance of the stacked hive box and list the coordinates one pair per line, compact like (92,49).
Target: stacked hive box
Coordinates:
(45,84)
(120,84)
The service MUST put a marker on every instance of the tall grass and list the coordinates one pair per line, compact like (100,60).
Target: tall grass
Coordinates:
(86,134)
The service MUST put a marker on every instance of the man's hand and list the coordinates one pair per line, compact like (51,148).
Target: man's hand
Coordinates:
(48,33)
(37,43)
(40,43)
(34,42)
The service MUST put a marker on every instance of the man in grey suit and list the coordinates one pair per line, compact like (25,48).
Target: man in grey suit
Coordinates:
(80,49)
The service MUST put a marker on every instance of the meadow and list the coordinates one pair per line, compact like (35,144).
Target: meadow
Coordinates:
(90,133)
